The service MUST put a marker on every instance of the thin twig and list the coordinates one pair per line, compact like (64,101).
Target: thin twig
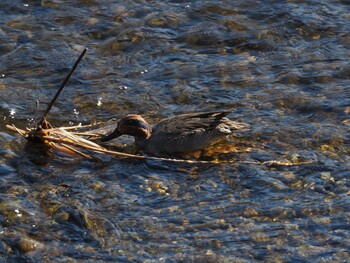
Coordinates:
(61,87)
(77,151)
(14,128)
(86,134)
(19,131)
(77,138)
(76,127)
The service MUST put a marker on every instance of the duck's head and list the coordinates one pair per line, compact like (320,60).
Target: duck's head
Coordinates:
(133,125)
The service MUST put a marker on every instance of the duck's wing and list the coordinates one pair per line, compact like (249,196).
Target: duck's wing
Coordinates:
(190,122)
(189,132)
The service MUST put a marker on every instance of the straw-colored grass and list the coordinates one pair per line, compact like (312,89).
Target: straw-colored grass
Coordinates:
(65,139)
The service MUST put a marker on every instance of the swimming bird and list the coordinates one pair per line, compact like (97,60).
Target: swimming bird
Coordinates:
(178,134)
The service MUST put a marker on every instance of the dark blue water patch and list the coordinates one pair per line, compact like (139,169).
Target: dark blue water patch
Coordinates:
(6,170)
(15,8)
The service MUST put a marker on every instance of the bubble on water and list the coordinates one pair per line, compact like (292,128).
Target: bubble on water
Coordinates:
(2,75)
(144,71)
(19,214)
(75,112)
(99,102)
(26,5)
(12,113)
(123,87)
(31,120)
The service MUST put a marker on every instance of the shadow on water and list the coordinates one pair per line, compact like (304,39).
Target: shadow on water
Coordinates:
(283,68)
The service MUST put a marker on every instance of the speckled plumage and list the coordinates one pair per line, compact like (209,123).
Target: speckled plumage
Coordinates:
(181,133)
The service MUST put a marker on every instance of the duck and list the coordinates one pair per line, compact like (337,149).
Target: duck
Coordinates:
(179,134)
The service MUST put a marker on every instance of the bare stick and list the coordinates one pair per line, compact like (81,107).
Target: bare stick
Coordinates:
(61,87)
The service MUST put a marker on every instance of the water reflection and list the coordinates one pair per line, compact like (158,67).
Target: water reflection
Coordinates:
(283,67)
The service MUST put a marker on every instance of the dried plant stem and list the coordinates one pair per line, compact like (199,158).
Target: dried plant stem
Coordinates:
(120,154)
(76,127)
(61,88)
(86,134)
(14,128)
(78,152)
(61,138)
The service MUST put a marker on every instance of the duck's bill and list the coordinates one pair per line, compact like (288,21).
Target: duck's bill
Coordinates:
(110,136)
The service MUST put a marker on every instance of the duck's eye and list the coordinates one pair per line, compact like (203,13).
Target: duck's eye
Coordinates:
(135,123)
(131,122)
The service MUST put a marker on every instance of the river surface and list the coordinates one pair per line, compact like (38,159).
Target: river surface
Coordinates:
(281,66)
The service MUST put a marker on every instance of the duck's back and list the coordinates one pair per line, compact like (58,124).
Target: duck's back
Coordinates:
(189,132)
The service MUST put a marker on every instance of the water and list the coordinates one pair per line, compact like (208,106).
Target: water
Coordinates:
(283,66)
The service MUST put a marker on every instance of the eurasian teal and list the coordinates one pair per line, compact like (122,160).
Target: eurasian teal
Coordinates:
(181,133)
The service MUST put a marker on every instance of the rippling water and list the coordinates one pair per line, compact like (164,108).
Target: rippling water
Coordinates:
(283,66)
